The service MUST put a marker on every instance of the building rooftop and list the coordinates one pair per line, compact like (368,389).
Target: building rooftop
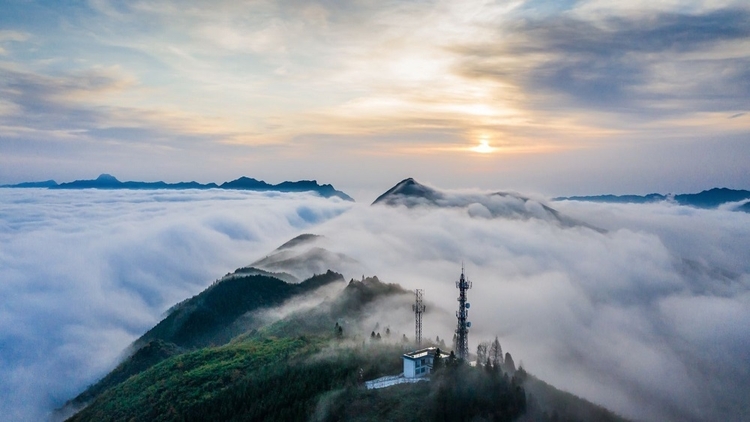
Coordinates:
(417,354)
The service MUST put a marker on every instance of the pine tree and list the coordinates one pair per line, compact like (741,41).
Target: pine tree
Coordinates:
(496,353)
(481,353)
(509,365)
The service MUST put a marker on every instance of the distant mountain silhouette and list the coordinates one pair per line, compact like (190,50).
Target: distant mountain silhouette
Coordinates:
(44,184)
(107,181)
(711,198)
(411,193)
(618,199)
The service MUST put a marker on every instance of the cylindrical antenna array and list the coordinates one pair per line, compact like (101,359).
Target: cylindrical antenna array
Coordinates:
(462,315)
(418,309)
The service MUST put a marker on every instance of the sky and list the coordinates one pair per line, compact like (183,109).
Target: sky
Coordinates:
(647,316)
(559,98)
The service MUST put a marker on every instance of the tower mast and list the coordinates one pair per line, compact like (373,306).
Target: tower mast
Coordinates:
(462,330)
(419,309)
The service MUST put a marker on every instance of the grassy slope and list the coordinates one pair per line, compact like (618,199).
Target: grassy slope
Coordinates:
(206,318)
(257,379)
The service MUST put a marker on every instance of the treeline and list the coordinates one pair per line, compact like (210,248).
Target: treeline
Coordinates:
(456,392)
(465,393)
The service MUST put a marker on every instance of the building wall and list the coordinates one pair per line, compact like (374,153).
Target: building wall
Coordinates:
(414,368)
(409,368)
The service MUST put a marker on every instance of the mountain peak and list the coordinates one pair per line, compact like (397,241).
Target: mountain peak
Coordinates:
(408,188)
(104,177)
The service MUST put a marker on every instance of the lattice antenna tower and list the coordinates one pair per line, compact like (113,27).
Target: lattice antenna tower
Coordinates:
(418,308)
(462,330)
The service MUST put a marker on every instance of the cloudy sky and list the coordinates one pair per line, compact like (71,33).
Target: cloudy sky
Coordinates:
(570,97)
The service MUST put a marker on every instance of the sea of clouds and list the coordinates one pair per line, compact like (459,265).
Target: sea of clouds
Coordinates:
(85,272)
(648,316)
(646,312)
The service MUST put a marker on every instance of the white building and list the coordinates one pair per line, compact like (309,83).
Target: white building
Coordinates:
(419,362)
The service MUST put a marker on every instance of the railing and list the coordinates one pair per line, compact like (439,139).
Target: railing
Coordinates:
(391,380)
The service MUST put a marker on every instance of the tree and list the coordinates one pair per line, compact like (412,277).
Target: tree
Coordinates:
(387,332)
(496,353)
(437,361)
(481,353)
(509,365)
(452,360)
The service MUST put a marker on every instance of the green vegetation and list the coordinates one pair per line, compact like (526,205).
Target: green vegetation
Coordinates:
(147,356)
(309,365)
(206,319)
(456,392)
(209,318)
(257,379)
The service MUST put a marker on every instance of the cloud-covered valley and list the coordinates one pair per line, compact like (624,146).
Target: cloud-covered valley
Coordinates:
(84,273)
(647,317)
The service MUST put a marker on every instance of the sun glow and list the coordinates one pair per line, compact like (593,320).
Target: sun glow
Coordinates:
(483,147)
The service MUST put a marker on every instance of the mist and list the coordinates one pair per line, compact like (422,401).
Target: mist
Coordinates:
(84,273)
(647,317)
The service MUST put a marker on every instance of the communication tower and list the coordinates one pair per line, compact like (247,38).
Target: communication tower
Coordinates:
(419,309)
(462,331)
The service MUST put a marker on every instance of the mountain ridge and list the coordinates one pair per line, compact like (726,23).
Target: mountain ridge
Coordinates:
(254,347)
(710,198)
(107,181)
(412,194)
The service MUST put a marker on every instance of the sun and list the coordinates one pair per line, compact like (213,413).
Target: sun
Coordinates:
(483,147)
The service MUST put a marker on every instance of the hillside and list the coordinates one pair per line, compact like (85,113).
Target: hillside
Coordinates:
(212,317)
(206,319)
(254,347)
(301,368)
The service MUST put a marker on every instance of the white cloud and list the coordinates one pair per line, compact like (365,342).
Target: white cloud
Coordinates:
(84,273)
(648,319)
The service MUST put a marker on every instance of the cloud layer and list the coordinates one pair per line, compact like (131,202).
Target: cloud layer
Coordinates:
(648,318)
(84,273)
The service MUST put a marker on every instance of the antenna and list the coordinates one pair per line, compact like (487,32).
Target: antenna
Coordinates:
(418,308)
(462,330)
